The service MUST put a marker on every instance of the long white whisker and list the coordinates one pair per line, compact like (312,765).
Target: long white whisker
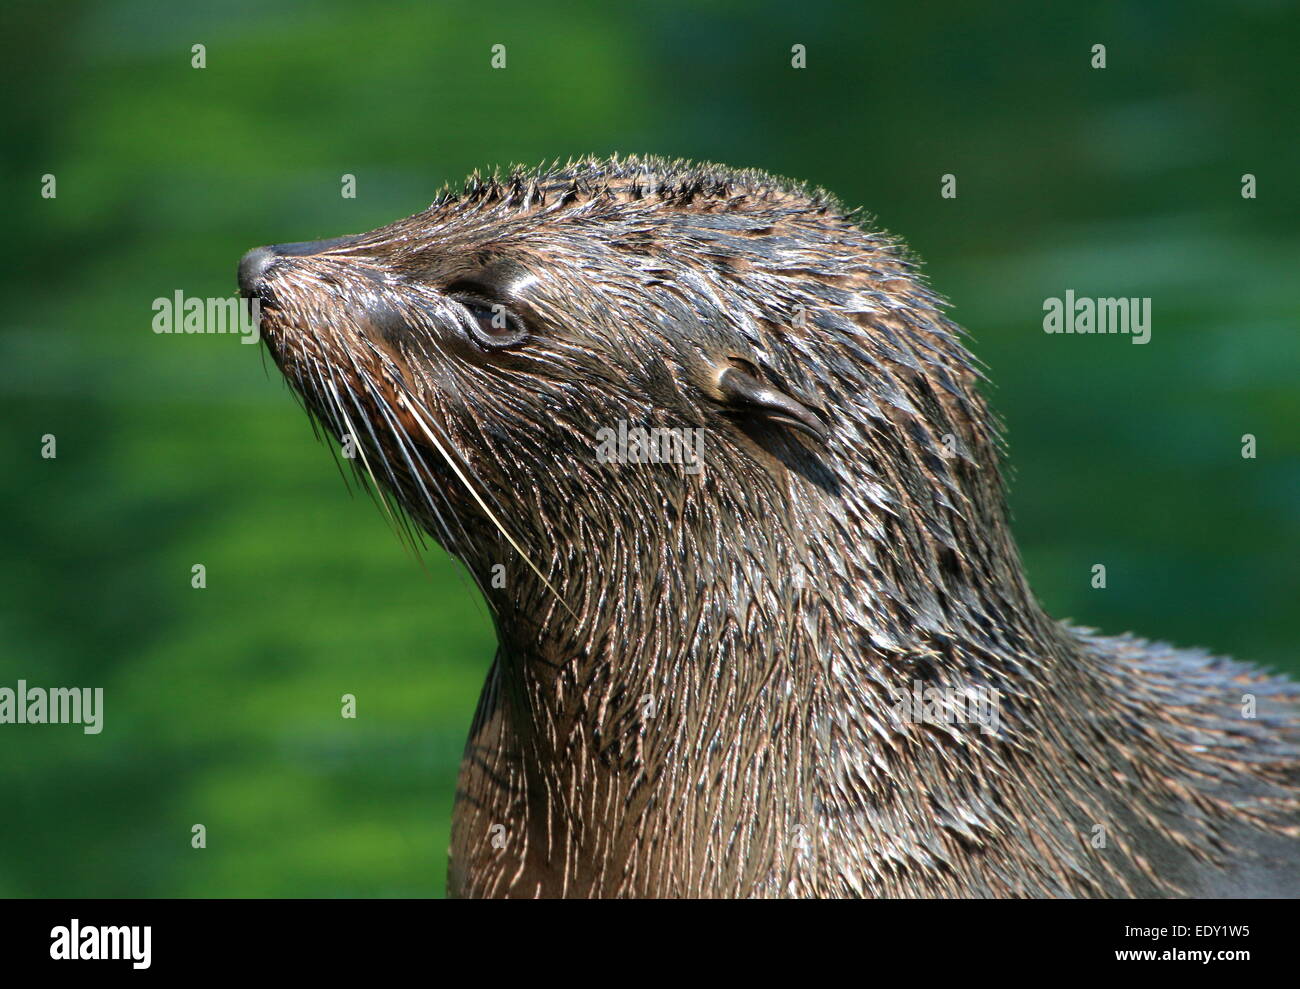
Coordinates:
(418,416)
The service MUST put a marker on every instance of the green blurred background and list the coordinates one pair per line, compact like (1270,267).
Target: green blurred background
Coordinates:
(222,705)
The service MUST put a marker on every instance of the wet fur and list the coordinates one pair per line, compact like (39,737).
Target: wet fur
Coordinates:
(770,607)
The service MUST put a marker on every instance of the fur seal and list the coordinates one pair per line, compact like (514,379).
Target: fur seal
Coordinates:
(705,678)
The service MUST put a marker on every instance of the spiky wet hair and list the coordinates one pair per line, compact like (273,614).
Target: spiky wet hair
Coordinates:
(846,537)
(646,278)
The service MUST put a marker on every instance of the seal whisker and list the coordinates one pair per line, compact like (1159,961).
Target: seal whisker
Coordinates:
(404,397)
(407,452)
(380,494)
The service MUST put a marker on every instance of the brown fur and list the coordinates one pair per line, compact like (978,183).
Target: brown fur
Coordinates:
(693,690)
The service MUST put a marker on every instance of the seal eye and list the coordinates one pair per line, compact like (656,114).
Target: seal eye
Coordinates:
(491,325)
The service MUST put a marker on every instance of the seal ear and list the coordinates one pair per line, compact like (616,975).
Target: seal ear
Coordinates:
(739,386)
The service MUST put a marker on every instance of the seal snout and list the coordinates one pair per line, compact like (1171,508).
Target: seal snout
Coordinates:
(255,266)
(252,270)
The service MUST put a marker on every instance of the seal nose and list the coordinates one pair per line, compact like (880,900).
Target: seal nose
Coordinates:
(252,270)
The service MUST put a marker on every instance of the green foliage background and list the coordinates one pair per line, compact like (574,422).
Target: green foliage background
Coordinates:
(223,704)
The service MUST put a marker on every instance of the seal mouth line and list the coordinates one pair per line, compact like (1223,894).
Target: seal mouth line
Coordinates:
(360,447)
(419,418)
(401,393)
(407,451)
